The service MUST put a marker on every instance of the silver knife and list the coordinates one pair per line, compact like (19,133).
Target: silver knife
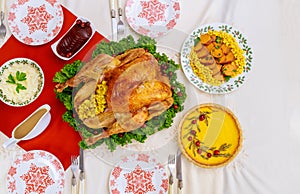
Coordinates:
(81,173)
(179,171)
(113,20)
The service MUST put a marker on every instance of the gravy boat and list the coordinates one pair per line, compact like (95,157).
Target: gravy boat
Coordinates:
(31,127)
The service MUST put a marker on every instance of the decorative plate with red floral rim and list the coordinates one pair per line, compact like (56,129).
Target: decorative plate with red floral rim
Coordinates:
(36,172)
(138,174)
(152,18)
(35,22)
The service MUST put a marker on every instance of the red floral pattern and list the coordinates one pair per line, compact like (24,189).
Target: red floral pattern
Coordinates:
(176,6)
(115,191)
(12,171)
(27,40)
(28,156)
(37,179)
(143,157)
(57,165)
(12,186)
(153,11)
(52,2)
(22,2)
(171,24)
(112,183)
(11,16)
(139,174)
(139,181)
(116,172)
(165,184)
(37,18)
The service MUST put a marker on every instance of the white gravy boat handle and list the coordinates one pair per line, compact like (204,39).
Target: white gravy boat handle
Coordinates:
(10,142)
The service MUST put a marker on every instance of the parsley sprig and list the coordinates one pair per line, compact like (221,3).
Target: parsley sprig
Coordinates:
(20,76)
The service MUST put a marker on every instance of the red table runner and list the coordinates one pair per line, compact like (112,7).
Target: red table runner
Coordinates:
(58,138)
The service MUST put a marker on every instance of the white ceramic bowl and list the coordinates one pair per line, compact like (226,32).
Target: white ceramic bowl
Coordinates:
(33,84)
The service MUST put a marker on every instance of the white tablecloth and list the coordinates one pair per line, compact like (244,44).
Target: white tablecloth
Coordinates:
(267,105)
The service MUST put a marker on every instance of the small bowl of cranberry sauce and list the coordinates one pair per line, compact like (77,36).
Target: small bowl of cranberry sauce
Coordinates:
(74,39)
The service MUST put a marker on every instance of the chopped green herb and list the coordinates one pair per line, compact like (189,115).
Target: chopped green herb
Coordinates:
(11,79)
(20,87)
(218,39)
(227,78)
(196,41)
(20,76)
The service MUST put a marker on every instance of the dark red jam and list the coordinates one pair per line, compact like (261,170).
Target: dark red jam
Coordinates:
(77,36)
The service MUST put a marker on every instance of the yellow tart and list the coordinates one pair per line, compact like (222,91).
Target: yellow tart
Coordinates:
(210,135)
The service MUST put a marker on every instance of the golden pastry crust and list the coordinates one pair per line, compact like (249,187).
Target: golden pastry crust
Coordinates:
(195,146)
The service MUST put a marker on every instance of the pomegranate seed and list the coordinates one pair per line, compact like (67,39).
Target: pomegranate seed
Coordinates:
(201,117)
(179,94)
(216,152)
(197,143)
(175,106)
(87,24)
(208,155)
(199,151)
(120,135)
(193,132)
(190,138)
(82,24)
(194,121)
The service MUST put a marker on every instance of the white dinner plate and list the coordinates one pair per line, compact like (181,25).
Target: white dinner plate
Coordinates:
(233,83)
(138,173)
(152,18)
(35,22)
(36,172)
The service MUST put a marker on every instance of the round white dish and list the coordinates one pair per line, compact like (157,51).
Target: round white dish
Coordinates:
(35,22)
(233,83)
(34,82)
(36,172)
(152,18)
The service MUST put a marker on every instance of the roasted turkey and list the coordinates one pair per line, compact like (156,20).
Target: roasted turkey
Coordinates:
(136,91)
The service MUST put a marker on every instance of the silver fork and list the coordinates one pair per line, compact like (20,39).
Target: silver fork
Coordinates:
(2,26)
(74,166)
(120,25)
(171,166)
